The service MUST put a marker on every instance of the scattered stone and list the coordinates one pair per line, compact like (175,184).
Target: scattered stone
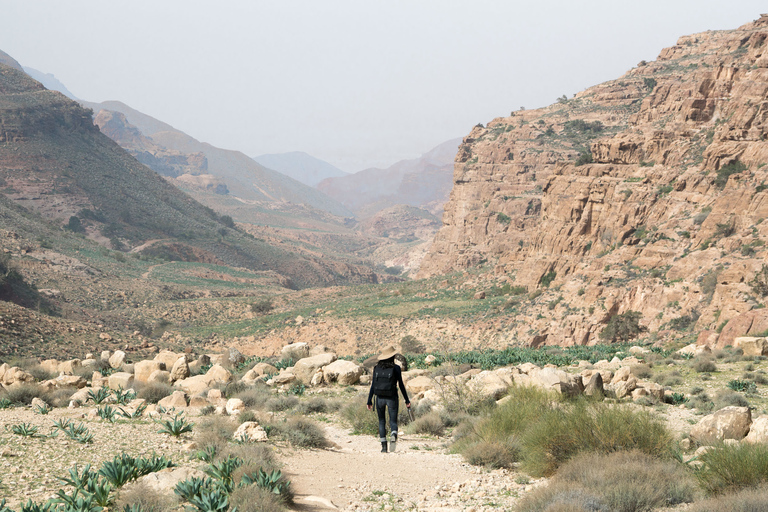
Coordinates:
(250,431)
(117,359)
(727,423)
(343,372)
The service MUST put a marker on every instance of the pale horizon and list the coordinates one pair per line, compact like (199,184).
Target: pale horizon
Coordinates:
(357,84)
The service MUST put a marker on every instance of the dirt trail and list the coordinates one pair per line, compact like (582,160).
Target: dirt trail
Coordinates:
(421,475)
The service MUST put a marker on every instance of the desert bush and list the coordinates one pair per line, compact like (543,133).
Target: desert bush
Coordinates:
(729,468)
(745,500)
(617,482)
(144,498)
(59,397)
(317,405)
(547,432)
(281,403)
(411,345)
(39,373)
(154,392)
(622,327)
(214,432)
(704,365)
(233,389)
(359,418)
(492,454)
(431,424)
(255,396)
(700,401)
(642,371)
(253,455)
(252,498)
(301,432)
(262,306)
(673,378)
(23,394)
(726,397)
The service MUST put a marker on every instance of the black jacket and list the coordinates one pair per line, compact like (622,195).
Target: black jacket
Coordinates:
(398,375)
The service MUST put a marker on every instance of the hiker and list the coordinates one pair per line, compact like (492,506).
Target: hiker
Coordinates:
(386,378)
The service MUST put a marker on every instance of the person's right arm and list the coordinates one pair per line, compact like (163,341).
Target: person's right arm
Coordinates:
(370,393)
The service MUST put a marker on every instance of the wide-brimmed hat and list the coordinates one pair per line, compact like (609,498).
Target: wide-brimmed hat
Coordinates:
(388,353)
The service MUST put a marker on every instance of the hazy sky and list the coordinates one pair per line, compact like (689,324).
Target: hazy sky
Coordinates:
(355,82)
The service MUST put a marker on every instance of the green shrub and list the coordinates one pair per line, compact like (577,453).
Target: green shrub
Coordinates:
(585,157)
(622,327)
(547,278)
(759,283)
(729,468)
(154,392)
(492,454)
(618,482)
(726,171)
(175,426)
(411,345)
(281,403)
(503,218)
(725,398)
(262,306)
(744,386)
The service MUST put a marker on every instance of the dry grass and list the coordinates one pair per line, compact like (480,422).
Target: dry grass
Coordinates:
(746,500)
(729,468)
(145,497)
(617,482)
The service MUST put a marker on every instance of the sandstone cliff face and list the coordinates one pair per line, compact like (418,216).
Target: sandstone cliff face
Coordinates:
(667,217)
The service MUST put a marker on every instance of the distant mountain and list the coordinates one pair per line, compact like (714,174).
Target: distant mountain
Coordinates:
(54,161)
(301,167)
(243,176)
(49,81)
(9,61)
(424,182)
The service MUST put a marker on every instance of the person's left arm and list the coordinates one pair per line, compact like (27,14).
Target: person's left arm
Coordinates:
(401,384)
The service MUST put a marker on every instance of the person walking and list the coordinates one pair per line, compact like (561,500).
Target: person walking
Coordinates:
(387,377)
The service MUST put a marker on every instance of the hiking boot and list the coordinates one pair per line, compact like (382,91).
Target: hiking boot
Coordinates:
(384,447)
(393,445)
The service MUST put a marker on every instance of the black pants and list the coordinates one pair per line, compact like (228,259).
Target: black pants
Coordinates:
(392,404)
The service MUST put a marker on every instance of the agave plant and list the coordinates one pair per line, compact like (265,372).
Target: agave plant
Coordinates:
(123,397)
(108,413)
(42,409)
(215,500)
(155,463)
(99,396)
(135,414)
(269,481)
(207,454)
(26,430)
(120,470)
(5,404)
(78,501)
(77,433)
(223,470)
(176,426)
(29,506)
(188,489)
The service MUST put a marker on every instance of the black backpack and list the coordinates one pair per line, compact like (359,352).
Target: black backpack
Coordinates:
(384,382)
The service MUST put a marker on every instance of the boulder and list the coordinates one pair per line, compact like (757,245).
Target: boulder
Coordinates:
(621,374)
(177,400)
(318,378)
(90,364)
(595,385)
(295,351)
(250,432)
(14,376)
(305,368)
(319,349)
(159,377)
(624,388)
(755,320)
(165,480)
(430,360)
(283,378)
(638,351)
(69,381)
(193,385)
(50,365)
(752,346)
(694,349)
(554,380)
(168,358)
(69,367)
(234,406)
(420,384)
(758,431)
(105,355)
(219,375)
(38,403)
(143,369)
(117,359)
(198,401)
(262,369)
(234,356)
(653,389)
(343,372)
(488,384)
(727,423)
(180,369)
(120,380)
(215,395)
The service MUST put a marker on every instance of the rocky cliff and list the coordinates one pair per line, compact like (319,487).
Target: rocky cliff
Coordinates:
(646,193)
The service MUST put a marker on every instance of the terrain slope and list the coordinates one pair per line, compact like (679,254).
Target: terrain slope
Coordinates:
(646,193)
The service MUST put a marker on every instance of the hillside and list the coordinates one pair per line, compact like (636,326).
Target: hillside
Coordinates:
(424,182)
(300,166)
(242,176)
(55,162)
(643,194)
